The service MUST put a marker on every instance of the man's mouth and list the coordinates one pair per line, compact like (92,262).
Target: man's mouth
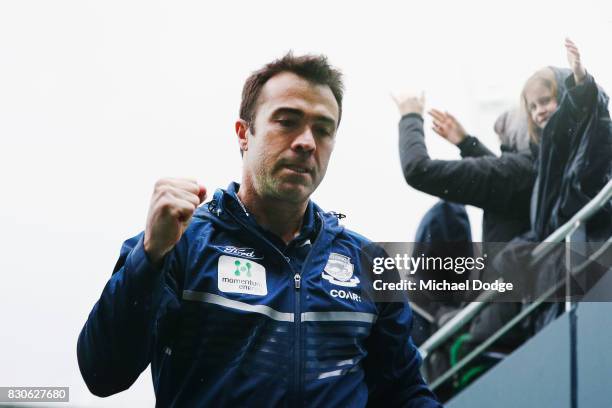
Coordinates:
(298,169)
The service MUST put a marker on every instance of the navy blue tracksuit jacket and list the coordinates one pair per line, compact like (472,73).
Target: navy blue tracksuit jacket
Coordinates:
(237,318)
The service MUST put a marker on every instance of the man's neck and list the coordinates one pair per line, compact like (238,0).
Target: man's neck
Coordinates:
(282,218)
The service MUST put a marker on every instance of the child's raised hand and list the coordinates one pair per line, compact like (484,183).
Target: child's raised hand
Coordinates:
(573,57)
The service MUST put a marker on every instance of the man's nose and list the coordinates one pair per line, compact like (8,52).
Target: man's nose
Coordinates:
(305,141)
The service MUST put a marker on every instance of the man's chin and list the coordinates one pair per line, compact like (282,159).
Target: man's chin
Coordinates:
(295,193)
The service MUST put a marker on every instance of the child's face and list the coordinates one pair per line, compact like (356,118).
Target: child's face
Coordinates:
(541,103)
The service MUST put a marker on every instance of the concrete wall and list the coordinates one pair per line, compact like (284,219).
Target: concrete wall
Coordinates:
(538,374)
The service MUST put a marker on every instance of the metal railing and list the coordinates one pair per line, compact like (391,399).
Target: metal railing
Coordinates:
(466,314)
(601,199)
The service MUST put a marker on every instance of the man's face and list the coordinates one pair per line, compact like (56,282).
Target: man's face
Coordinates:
(295,127)
(541,103)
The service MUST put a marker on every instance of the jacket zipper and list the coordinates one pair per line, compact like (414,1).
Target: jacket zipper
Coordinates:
(297,278)
(297,315)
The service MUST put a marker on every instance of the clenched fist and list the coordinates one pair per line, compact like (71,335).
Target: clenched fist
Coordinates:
(173,203)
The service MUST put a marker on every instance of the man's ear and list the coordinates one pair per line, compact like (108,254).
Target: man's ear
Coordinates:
(242,131)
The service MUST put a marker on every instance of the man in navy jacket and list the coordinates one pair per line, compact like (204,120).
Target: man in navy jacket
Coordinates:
(258,298)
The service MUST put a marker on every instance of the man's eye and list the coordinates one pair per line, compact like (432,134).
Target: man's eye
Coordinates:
(323,131)
(286,123)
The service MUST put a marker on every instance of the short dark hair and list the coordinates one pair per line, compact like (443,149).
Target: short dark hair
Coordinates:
(313,68)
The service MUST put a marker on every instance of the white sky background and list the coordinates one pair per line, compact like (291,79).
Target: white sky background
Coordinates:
(100,99)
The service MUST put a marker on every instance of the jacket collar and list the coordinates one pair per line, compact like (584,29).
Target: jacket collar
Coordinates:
(225,202)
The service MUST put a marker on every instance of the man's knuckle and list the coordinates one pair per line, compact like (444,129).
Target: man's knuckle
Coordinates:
(168,191)
(166,205)
(163,182)
(192,189)
(194,199)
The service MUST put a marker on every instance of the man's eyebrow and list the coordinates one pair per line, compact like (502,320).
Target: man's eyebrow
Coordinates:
(300,113)
(290,111)
(327,120)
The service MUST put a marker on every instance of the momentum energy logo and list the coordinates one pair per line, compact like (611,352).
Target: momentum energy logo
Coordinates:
(239,275)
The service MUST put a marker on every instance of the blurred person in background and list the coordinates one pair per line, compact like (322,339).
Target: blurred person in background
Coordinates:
(500,186)
(569,125)
(569,121)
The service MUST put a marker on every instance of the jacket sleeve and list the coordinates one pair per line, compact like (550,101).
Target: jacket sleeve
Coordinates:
(392,372)
(583,144)
(488,182)
(116,343)
(472,147)
(581,98)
